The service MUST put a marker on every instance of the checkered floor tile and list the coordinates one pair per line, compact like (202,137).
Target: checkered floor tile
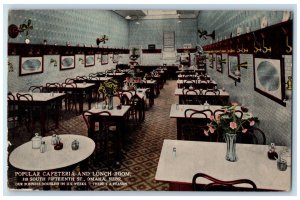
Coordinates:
(142,152)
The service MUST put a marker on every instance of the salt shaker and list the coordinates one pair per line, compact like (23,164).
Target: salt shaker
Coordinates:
(206,105)
(75,145)
(174,152)
(54,139)
(272,154)
(36,141)
(43,147)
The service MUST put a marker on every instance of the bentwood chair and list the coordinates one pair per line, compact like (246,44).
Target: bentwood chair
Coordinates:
(195,125)
(36,89)
(252,136)
(202,84)
(93,75)
(12,111)
(53,87)
(69,80)
(192,96)
(71,98)
(213,97)
(104,131)
(137,109)
(81,78)
(27,113)
(220,185)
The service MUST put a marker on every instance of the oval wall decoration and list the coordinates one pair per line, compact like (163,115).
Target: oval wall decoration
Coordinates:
(30,65)
(67,62)
(268,76)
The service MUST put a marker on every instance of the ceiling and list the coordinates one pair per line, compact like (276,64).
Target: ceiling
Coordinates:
(158,14)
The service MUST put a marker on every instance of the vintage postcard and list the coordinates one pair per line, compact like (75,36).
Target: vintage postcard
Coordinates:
(150,100)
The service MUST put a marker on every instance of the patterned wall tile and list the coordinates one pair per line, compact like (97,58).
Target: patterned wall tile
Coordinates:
(151,32)
(75,26)
(275,120)
(59,26)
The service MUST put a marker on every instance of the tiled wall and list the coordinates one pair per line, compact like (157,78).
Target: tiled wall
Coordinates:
(215,20)
(151,32)
(275,120)
(52,73)
(76,26)
(59,26)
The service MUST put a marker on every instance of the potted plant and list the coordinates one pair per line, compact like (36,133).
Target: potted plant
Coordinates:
(134,55)
(109,88)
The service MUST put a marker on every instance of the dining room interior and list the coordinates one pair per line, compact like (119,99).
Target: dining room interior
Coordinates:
(150,100)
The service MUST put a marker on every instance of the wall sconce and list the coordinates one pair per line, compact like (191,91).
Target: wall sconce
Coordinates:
(10,67)
(14,30)
(54,62)
(99,58)
(243,65)
(81,60)
(288,90)
(204,34)
(103,39)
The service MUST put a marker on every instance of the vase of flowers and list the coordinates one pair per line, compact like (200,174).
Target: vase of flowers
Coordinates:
(231,122)
(109,88)
(230,139)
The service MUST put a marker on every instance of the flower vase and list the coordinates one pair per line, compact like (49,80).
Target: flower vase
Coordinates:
(110,105)
(230,139)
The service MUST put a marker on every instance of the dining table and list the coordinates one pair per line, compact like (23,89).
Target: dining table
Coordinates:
(224,95)
(81,90)
(198,84)
(43,102)
(119,116)
(192,77)
(26,159)
(180,160)
(190,71)
(177,112)
(151,84)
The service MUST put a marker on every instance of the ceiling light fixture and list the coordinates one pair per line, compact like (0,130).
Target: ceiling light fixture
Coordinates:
(127,17)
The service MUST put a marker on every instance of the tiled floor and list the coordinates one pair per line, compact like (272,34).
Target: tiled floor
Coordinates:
(142,151)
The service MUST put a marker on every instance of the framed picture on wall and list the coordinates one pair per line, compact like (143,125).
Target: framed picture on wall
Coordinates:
(89,60)
(67,62)
(219,63)
(31,65)
(104,59)
(233,67)
(269,78)
(115,58)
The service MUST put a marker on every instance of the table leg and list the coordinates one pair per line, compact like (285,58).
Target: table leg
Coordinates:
(157,89)
(180,99)
(90,98)
(80,96)
(58,110)
(43,120)
(179,125)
